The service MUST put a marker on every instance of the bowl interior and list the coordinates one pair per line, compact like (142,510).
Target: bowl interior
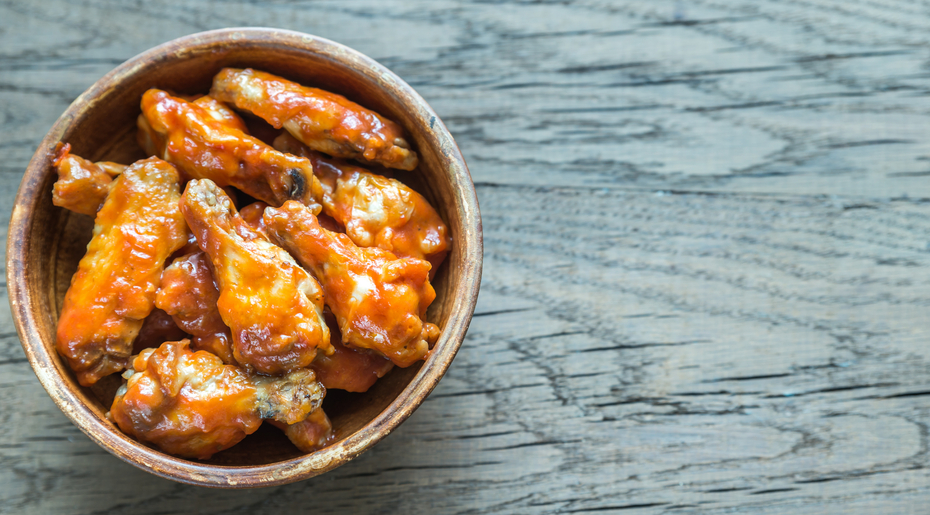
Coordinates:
(101,126)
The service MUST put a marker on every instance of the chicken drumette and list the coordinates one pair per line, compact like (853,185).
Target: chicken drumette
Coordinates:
(190,404)
(204,145)
(376,211)
(272,306)
(379,300)
(113,291)
(325,121)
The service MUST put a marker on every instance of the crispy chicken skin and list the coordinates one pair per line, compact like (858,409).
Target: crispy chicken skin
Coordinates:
(324,121)
(190,404)
(82,186)
(189,294)
(379,300)
(203,147)
(113,290)
(273,307)
(375,210)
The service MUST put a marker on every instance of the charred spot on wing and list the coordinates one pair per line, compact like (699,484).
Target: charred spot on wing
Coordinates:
(298,183)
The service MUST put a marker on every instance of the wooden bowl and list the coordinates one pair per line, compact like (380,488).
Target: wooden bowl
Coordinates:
(46,242)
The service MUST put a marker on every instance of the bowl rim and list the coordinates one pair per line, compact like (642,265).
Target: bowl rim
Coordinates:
(114,441)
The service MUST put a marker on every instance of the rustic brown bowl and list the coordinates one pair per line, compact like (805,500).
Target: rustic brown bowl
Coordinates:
(46,242)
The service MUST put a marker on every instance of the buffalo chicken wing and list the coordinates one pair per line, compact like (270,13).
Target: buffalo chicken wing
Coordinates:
(376,211)
(379,300)
(322,120)
(273,307)
(114,288)
(205,147)
(192,405)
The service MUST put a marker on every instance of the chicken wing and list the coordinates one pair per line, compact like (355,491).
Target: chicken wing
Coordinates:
(189,294)
(376,211)
(113,290)
(322,120)
(82,186)
(273,307)
(190,404)
(188,135)
(378,300)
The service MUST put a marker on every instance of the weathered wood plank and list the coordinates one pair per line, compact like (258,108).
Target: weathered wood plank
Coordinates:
(706,251)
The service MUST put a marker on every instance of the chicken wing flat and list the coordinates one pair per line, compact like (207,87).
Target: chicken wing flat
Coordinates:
(82,186)
(310,434)
(188,293)
(324,121)
(379,300)
(273,307)
(190,404)
(375,210)
(113,290)
(203,147)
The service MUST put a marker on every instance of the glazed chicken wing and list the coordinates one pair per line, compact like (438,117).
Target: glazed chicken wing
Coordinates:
(192,405)
(113,291)
(82,186)
(375,210)
(204,147)
(273,307)
(324,121)
(378,300)
(189,294)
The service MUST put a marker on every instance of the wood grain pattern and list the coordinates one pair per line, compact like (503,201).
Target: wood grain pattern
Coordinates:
(706,249)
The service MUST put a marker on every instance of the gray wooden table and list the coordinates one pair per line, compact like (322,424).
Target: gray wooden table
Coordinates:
(707,268)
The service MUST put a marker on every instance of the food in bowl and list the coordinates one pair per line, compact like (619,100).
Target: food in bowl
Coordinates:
(267,333)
